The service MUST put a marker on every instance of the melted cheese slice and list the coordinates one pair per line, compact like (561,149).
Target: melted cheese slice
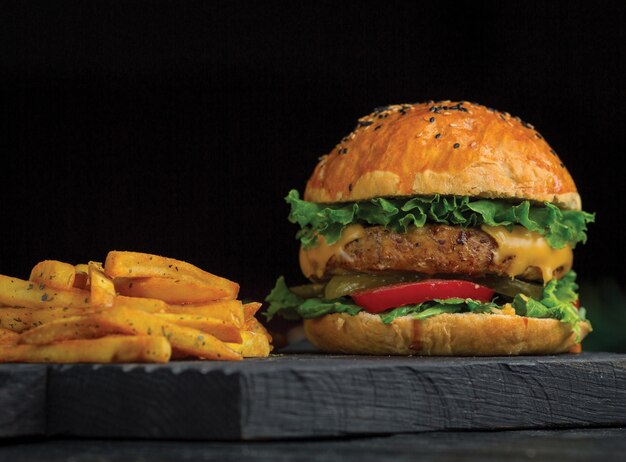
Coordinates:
(313,261)
(523,248)
(527,249)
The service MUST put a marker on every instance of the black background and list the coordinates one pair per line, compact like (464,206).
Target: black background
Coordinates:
(178,127)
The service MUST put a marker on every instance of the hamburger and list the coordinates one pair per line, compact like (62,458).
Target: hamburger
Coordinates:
(439,228)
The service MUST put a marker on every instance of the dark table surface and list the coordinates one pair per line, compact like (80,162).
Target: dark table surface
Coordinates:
(312,407)
(605,444)
(312,396)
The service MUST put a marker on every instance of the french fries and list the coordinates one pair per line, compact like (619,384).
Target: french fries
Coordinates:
(53,273)
(142,265)
(110,349)
(230,311)
(174,291)
(253,346)
(22,319)
(149,305)
(8,337)
(254,326)
(216,327)
(120,320)
(73,328)
(102,289)
(250,309)
(184,339)
(135,308)
(29,294)
(81,278)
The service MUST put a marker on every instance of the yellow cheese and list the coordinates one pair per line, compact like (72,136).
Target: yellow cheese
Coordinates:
(313,260)
(527,249)
(522,247)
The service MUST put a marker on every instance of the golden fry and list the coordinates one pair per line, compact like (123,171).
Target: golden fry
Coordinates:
(112,349)
(101,289)
(187,340)
(254,325)
(17,292)
(250,309)
(8,337)
(149,305)
(253,346)
(53,273)
(81,280)
(230,311)
(216,327)
(176,291)
(21,319)
(74,328)
(98,265)
(142,265)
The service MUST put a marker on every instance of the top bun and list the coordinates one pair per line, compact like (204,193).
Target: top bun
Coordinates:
(449,148)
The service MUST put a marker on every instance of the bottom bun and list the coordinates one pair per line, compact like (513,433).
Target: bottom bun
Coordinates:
(458,334)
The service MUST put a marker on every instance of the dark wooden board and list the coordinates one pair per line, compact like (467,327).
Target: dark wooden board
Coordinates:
(304,396)
(22,400)
(586,445)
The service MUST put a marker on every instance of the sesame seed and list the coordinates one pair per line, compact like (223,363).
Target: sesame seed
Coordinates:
(456,107)
(456,145)
(431,120)
(438,135)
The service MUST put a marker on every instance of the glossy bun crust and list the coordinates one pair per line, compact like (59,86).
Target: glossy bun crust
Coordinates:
(446,148)
(459,334)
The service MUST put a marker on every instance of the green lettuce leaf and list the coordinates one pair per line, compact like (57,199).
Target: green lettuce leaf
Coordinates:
(282,300)
(290,306)
(556,302)
(314,308)
(435,307)
(559,227)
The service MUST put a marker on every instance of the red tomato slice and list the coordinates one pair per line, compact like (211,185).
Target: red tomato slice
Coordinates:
(382,298)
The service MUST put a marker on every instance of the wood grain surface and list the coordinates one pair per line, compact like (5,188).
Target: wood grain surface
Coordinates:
(307,396)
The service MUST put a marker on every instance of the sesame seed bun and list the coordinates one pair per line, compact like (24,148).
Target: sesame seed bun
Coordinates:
(445,148)
(458,334)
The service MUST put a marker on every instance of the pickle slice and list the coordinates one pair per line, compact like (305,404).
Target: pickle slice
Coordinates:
(308,290)
(346,284)
(342,285)
(512,287)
